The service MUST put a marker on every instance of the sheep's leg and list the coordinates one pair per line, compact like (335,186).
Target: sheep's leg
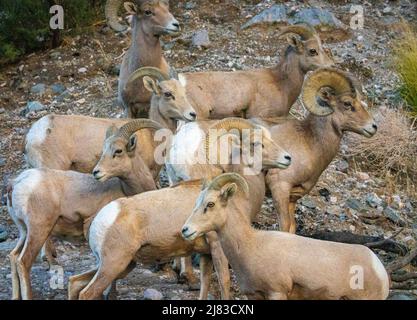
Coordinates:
(277,296)
(206,269)
(187,274)
(111,293)
(48,252)
(221,264)
(293,223)
(36,237)
(79,282)
(281,197)
(13,256)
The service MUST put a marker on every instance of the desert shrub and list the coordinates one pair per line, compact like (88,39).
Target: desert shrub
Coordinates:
(392,152)
(405,61)
(24,24)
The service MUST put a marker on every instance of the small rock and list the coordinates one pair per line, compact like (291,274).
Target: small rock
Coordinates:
(373,200)
(55,54)
(82,70)
(308,203)
(401,296)
(387,10)
(394,216)
(324,192)
(342,166)
(2,110)
(396,202)
(38,89)
(190,5)
(3,234)
(333,200)
(334,210)
(201,39)
(58,88)
(355,205)
(81,101)
(34,106)
(65,95)
(152,294)
(362,176)
(2,162)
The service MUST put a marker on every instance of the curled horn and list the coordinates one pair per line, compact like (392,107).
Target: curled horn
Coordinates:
(304,31)
(227,124)
(220,181)
(148,71)
(338,81)
(131,127)
(111,8)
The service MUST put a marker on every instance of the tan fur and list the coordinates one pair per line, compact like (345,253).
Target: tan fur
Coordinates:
(313,144)
(277,265)
(47,201)
(145,51)
(265,93)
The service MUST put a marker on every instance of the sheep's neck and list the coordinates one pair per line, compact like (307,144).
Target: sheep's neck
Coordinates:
(155,114)
(325,137)
(146,47)
(291,76)
(139,179)
(230,234)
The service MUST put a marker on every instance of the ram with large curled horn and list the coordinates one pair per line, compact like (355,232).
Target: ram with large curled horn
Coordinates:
(150,20)
(267,92)
(336,105)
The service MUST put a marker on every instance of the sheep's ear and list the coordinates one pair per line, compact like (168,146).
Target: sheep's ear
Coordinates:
(295,41)
(151,85)
(131,8)
(111,131)
(228,191)
(326,97)
(131,145)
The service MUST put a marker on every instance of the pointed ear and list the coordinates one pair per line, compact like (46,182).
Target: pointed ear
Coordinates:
(228,191)
(151,85)
(131,8)
(111,131)
(131,145)
(295,41)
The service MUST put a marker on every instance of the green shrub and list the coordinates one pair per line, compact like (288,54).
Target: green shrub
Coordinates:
(24,24)
(406,64)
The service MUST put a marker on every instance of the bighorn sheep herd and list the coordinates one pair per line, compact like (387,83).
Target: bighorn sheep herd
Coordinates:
(98,179)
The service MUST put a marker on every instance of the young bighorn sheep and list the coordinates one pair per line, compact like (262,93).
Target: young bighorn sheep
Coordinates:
(47,201)
(150,20)
(277,265)
(135,229)
(336,104)
(71,142)
(264,93)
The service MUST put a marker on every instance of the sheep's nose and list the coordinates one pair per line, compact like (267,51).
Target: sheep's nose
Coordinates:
(288,157)
(96,172)
(184,230)
(193,115)
(375,126)
(176,25)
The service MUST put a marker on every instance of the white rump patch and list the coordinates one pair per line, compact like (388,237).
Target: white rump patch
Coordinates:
(100,225)
(35,138)
(182,79)
(23,187)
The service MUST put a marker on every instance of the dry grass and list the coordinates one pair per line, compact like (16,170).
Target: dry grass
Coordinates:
(392,153)
(405,62)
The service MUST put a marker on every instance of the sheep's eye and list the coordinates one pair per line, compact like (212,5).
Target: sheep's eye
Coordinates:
(148,12)
(347,105)
(118,152)
(168,95)
(313,52)
(210,205)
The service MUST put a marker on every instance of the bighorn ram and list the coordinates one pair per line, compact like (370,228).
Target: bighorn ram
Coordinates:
(336,104)
(188,154)
(264,93)
(143,234)
(70,142)
(47,201)
(151,19)
(277,265)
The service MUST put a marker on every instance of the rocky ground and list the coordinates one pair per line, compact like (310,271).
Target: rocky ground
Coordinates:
(81,78)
